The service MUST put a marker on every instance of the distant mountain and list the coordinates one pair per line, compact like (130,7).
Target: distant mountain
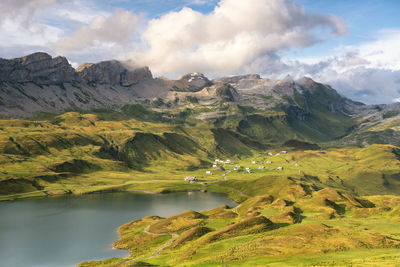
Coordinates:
(262,109)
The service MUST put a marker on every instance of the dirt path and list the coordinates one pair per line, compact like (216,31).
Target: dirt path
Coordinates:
(146,230)
(235,209)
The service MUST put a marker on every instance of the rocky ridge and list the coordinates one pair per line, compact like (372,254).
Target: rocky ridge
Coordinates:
(39,83)
(39,67)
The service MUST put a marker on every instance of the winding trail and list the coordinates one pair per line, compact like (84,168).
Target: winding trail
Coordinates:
(174,236)
(235,209)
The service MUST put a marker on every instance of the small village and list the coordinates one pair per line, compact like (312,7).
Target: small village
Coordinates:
(226,165)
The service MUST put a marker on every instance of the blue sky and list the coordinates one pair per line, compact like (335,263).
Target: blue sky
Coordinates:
(351,45)
(364,18)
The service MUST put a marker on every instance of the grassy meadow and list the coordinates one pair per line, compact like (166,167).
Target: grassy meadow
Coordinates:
(297,207)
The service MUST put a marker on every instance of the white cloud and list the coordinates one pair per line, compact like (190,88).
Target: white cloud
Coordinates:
(231,37)
(383,53)
(22,10)
(28,26)
(116,30)
(369,72)
(236,37)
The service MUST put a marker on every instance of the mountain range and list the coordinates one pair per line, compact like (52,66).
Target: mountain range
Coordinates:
(316,174)
(271,111)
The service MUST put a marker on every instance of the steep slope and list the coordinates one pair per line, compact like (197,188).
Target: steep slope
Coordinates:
(40,83)
(35,155)
(38,68)
(378,124)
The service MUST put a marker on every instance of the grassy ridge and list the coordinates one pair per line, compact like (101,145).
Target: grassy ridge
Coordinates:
(75,153)
(239,238)
(296,207)
(79,153)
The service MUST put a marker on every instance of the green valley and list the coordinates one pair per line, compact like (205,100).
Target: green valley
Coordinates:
(316,175)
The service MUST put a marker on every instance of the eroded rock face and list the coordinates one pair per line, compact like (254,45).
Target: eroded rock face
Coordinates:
(112,72)
(191,82)
(39,67)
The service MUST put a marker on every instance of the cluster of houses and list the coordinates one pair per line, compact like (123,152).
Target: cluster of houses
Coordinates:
(277,154)
(220,165)
(191,179)
(217,164)
(228,161)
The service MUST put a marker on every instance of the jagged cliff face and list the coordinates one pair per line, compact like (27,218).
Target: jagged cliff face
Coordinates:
(191,82)
(39,82)
(40,68)
(260,108)
(113,72)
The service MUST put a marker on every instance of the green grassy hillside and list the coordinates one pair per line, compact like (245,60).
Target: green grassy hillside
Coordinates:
(359,234)
(329,206)
(76,153)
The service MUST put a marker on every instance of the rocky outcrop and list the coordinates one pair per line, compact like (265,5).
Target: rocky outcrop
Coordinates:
(191,82)
(39,82)
(42,69)
(236,79)
(39,67)
(113,72)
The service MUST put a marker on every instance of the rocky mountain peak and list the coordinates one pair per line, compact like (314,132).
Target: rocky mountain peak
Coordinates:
(305,81)
(113,72)
(83,66)
(191,76)
(42,68)
(39,67)
(192,82)
(33,58)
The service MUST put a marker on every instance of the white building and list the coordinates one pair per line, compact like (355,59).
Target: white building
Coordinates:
(190,179)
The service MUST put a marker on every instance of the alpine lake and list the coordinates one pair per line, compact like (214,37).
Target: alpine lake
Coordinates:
(67,230)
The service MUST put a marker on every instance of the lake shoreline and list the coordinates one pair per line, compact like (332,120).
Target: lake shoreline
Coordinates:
(114,190)
(39,220)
